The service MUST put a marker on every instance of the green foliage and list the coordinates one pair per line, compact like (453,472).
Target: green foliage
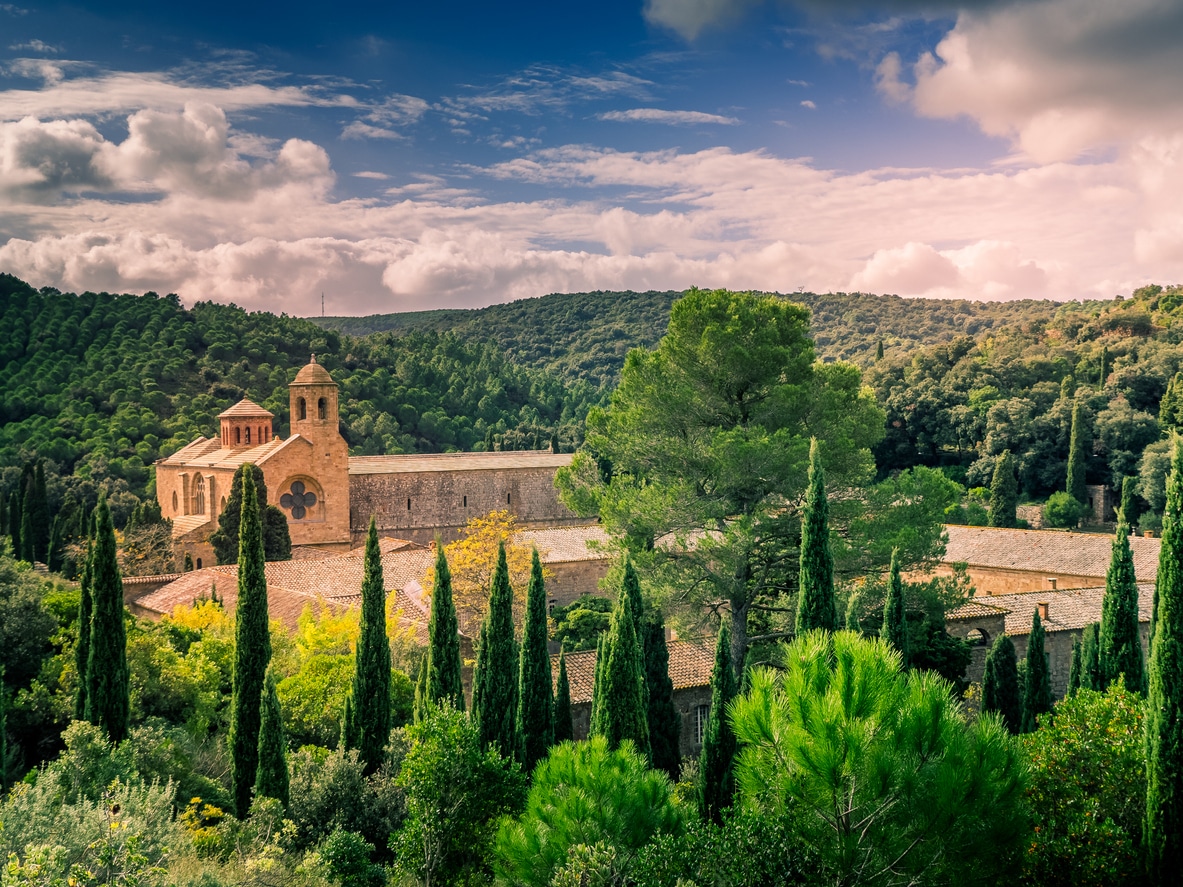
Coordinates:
(536,725)
(108,701)
(1004,492)
(495,680)
(1090,657)
(578,625)
(371,676)
(271,780)
(252,651)
(1063,511)
(1120,648)
(1129,507)
(1076,447)
(888,781)
(564,725)
(665,723)
(277,541)
(1086,777)
(456,788)
(621,709)
(347,855)
(1163,831)
(586,794)
(816,604)
(442,681)
(895,616)
(1076,667)
(1037,685)
(716,762)
(1001,690)
(26,626)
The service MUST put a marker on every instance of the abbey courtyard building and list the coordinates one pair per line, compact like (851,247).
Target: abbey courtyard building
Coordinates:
(329,496)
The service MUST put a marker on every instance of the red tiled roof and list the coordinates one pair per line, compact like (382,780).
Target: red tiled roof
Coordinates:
(1067,609)
(457,462)
(690,666)
(1050,552)
(246,409)
(567,544)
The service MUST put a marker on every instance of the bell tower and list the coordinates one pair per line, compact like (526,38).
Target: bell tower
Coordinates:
(314,402)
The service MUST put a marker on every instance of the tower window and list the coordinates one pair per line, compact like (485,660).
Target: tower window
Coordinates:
(508,498)
(238,435)
(465,501)
(408,505)
(199,495)
(302,409)
(322,409)
(248,435)
(174,501)
(199,563)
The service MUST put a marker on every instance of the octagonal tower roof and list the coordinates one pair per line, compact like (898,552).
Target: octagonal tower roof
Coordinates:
(313,374)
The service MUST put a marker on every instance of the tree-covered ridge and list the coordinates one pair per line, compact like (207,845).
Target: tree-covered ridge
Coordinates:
(103,385)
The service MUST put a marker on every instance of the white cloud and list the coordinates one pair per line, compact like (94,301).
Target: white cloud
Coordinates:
(690,18)
(40,160)
(371,174)
(36,46)
(673,118)
(812,106)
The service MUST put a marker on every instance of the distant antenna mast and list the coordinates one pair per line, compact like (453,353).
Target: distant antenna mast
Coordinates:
(322,303)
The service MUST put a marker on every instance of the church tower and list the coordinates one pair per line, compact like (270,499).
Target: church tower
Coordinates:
(314,402)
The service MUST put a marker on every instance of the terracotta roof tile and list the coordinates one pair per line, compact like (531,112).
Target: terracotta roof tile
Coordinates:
(313,373)
(188,523)
(690,666)
(246,409)
(457,462)
(1046,551)
(200,453)
(1068,609)
(566,544)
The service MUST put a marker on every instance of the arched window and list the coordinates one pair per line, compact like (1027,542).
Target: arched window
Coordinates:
(222,507)
(199,563)
(199,495)
(248,435)
(301,409)
(237,435)
(976,637)
(508,498)
(175,503)
(322,409)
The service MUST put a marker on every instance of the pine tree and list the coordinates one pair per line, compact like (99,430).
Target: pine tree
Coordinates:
(272,778)
(252,652)
(1075,668)
(85,614)
(1090,657)
(816,607)
(716,779)
(564,724)
(1163,829)
(1004,492)
(536,716)
(495,681)
(1077,443)
(442,679)
(622,712)
(895,616)
(1002,691)
(665,724)
(1120,642)
(1037,688)
(371,673)
(107,683)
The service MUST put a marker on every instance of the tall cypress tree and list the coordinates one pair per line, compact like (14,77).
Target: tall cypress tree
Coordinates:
(1037,689)
(632,587)
(816,606)
(14,521)
(371,674)
(39,515)
(1001,689)
(665,724)
(895,617)
(55,557)
(1090,657)
(442,681)
(495,682)
(716,779)
(1129,510)
(252,651)
(85,614)
(1120,643)
(536,716)
(1004,492)
(622,712)
(277,541)
(272,779)
(1076,445)
(564,724)
(598,676)
(107,686)
(1075,668)
(3,735)
(27,553)
(1163,829)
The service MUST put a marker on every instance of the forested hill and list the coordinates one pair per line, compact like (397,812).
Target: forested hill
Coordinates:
(103,385)
(587,335)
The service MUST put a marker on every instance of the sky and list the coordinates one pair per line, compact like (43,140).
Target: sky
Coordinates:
(458,153)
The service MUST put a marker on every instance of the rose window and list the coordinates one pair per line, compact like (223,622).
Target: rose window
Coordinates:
(298,501)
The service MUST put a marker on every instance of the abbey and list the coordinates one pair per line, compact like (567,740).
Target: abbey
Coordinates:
(329,496)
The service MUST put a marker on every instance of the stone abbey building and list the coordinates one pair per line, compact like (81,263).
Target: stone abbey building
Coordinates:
(328,496)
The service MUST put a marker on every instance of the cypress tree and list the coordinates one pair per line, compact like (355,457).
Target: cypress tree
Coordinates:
(54,558)
(85,614)
(564,724)
(27,551)
(277,541)
(816,607)
(1001,689)
(442,680)
(1004,492)
(107,688)
(879,351)
(495,682)
(39,515)
(1076,481)
(665,724)
(348,736)
(598,676)
(536,716)
(622,712)
(252,651)
(1163,829)
(853,606)
(716,779)
(1090,657)
(371,673)
(895,617)
(1075,668)
(272,779)
(632,587)
(421,693)
(1120,644)
(3,735)
(14,522)
(1037,688)
(1129,512)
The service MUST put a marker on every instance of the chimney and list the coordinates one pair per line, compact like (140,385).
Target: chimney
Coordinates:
(1051,582)
(1042,610)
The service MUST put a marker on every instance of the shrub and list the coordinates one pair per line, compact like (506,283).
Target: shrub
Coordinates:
(1063,511)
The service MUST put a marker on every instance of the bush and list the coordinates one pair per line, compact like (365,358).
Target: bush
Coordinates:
(330,793)
(347,856)
(1063,511)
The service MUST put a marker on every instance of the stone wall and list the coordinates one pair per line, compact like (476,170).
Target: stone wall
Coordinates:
(420,505)
(573,579)
(687,701)
(1000,580)
(981,633)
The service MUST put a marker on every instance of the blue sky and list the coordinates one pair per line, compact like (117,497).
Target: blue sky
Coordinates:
(458,154)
